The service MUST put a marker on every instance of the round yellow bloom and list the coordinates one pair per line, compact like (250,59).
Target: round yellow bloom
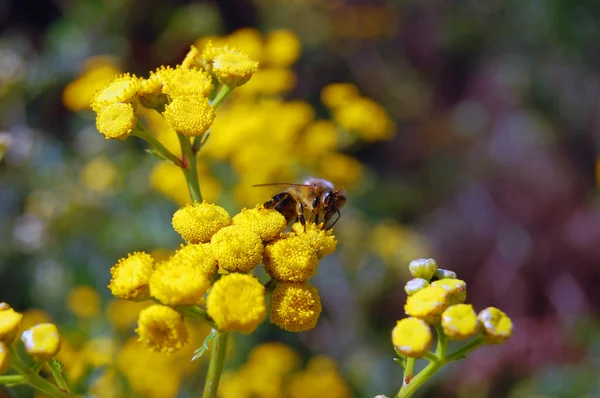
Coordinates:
(99,174)
(233,68)
(427,303)
(237,249)
(295,307)
(460,322)
(4,358)
(496,325)
(282,48)
(322,241)
(456,288)
(100,351)
(32,317)
(237,302)
(320,379)
(189,115)
(42,341)
(187,82)
(366,118)
(193,59)
(320,137)
(269,81)
(162,329)
(291,259)
(337,94)
(412,337)
(121,89)
(199,256)
(150,93)
(130,277)
(84,301)
(116,121)
(9,322)
(267,223)
(423,268)
(274,358)
(123,314)
(176,283)
(98,71)
(197,223)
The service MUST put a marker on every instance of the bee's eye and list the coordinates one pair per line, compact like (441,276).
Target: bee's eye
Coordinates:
(327,197)
(315,202)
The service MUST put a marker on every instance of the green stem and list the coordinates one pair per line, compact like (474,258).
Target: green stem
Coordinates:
(12,380)
(34,379)
(58,375)
(217,357)
(408,390)
(408,371)
(190,168)
(464,350)
(140,132)
(195,312)
(223,93)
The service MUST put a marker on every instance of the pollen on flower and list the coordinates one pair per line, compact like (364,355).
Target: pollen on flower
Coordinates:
(84,301)
(456,288)
(295,307)
(190,115)
(131,275)
(9,323)
(495,324)
(412,337)
(197,223)
(237,302)
(121,89)
(291,259)
(232,67)
(176,283)
(4,358)
(187,82)
(267,223)
(199,256)
(116,121)
(237,249)
(42,341)
(162,329)
(322,241)
(427,303)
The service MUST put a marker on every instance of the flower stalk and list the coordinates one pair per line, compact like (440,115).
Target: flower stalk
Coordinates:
(217,358)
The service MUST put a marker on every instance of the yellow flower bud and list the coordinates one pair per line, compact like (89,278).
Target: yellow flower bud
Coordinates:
(427,303)
(232,68)
(42,341)
(175,283)
(4,358)
(84,301)
(414,285)
(456,288)
(150,94)
(197,223)
(412,337)
(291,259)
(184,82)
(423,268)
(322,241)
(237,249)
(496,325)
(460,322)
(162,329)
(131,275)
(445,274)
(9,323)
(200,256)
(116,121)
(295,307)
(189,115)
(267,223)
(193,59)
(123,88)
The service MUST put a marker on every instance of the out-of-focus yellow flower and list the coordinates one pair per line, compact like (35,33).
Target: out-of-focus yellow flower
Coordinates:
(99,174)
(177,283)
(108,385)
(131,275)
(267,223)
(412,337)
(459,322)
(341,169)
(121,89)
(269,81)
(100,351)
(322,241)
(295,307)
(168,179)
(4,358)
(42,341)
(9,323)
(282,48)
(320,379)
(198,256)
(162,329)
(247,40)
(427,304)
(116,121)
(231,67)
(98,71)
(335,95)
(397,244)
(124,313)
(424,268)
(237,249)
(320,137)
(185,82)
(197,223)
(235,385)
(274,358)
(73,360)
(366,118)
(190,115)
(495,324)
(84,301)
(456,288)
(291,259)
(237,302)
(414,285)
(32,317)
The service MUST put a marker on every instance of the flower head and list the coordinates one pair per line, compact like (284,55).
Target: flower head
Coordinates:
(412,337)
(193,59)
(131,275)
(295,307)
(337,94)
(4,358)
(116,121)
(496,325)
(232,67)
(9,322)
(237,249)
(460,322)
(322,241)
(237,302)
(427,303)
(189,115)
(197,223)
(176,283)
(162,329)
(122,314)
(267,223)
(150,93)
(456,288)
(42,341)
(423,268)
(123,88)
(198,256)
(274,358)
(182,82)
(282,48)
(291,259)
(320,379)
(84,301)
(414,285)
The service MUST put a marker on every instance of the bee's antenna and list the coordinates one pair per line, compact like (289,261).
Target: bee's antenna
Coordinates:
(336,220)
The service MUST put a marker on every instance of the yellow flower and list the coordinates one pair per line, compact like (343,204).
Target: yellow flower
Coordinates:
(320,379)
(237,249)
(183,82)
(177,283)
(84,301)
(130,277)
(9,323)
(460,322)
(269,81)
(162,329)
(267,223)
(423,268)
(193,59)
(123,314)
(274,358)
(98,71)
(121,89)
(366,118)
(235,385)
(341,169)
(108,385)
(414,285)
(74,362)
(116,121)
(42,341)
(237,302)
(150,93)
(190,115)
(295,307)
(247,40)
(4,358)
(231,67)
(199,256)
(291,259)
(32,317)
(320,137)
(322,241)
(197,223)
(427,304)
(99,174)
(412,337)
(337,94)
(100,351)
(495,324)
(456,288)
(282,48)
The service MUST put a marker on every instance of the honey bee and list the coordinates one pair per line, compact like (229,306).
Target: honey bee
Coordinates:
(315,197)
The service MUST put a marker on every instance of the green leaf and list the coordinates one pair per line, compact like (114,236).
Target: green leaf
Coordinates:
(59,365)
(200,351)
(401,362)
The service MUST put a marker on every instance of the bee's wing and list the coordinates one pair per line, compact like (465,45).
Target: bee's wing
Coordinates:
(281,184)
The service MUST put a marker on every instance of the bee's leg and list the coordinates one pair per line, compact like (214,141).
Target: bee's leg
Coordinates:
(336,220)
(300,210)
(276,200)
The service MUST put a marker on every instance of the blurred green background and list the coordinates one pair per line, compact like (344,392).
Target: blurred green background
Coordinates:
(491,170)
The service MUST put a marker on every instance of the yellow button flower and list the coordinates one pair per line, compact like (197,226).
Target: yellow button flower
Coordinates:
(123,314)
(237,249)
(197,223)
(84,301)
(496,325)
(295,307)
(121,89)
(282,48)
(232,68)
(193,59)
(460,322)
(42,341)
(267,223)
(274,358)
(4,358)
(200,256)
(322,241)
(320,379)
(116,121)
(456,288)
(175,283)
(427,304)
(237,302)
(189,115)
(412,337)
(291,259)
(423,268)
(187,82)
(131,275)
(9,322)
(162,329)
(150,93)
(337,94)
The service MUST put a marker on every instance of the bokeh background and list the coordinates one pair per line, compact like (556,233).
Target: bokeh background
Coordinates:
(488,164)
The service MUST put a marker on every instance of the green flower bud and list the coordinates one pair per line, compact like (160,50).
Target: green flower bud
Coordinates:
(423,268)
(445,274)
(414,285)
